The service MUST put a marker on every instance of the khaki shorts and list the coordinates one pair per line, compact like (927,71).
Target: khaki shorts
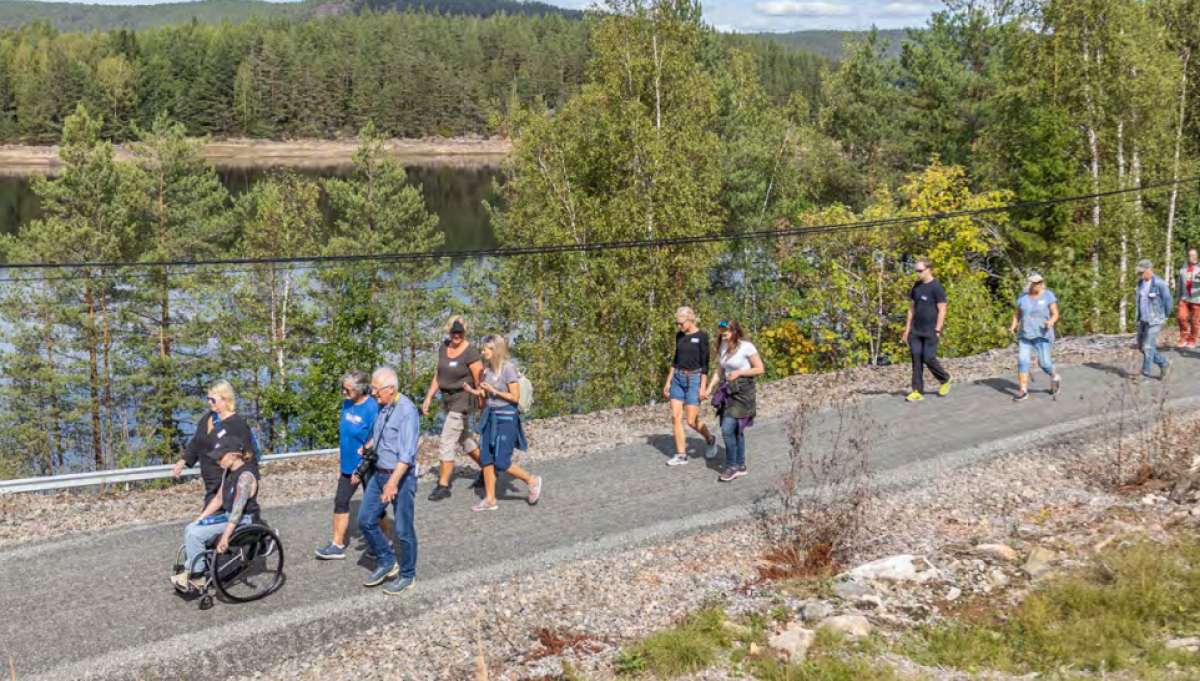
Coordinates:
(456,436)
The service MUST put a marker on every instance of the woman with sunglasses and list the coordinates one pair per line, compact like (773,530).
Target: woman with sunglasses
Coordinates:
(221,420)
(459,368)
(358,417)
(738,363)
(687,380)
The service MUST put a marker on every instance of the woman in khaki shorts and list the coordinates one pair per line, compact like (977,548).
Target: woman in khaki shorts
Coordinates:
(459,365)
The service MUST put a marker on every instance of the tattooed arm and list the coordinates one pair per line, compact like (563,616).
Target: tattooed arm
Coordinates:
(245,489)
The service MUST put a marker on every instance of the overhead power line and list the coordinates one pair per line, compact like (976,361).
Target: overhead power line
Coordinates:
(553,249)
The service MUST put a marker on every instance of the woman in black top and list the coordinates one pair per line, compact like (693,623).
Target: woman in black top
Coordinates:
(221,420)
(459,368)
(687,380)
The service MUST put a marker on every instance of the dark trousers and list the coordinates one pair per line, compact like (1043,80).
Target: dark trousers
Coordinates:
(924,354)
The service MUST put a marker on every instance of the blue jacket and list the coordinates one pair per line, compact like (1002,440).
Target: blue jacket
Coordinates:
(485,426)
(1161,302)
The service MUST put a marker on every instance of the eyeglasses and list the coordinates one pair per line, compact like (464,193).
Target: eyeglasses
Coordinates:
(376,391)
(921,269)
(347,391)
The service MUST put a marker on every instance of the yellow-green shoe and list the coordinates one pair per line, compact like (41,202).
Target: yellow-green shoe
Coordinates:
(945,388)
(915,396)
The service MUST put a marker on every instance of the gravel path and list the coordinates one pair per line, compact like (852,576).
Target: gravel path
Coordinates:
(612,503)
(31,517)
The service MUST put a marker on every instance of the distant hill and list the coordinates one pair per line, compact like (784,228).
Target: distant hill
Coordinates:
(79,17)
(831,44)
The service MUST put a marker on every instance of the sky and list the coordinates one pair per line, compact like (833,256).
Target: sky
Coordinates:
(748,15)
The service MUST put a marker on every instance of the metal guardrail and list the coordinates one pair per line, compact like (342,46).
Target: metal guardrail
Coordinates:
(58,482)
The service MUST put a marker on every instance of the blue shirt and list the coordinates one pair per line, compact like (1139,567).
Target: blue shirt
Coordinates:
(355,430)
(396,430)
(1035,312)
(1145,288)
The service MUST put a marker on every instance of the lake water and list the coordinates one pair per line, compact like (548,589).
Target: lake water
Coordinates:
(455,194)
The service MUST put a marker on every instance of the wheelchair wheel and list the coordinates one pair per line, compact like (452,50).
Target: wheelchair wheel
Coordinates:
(252,567)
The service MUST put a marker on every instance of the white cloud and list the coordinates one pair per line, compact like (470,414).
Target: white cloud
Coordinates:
(906,9)
(802,9)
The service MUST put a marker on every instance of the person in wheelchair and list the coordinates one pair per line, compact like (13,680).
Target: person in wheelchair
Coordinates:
(235,504)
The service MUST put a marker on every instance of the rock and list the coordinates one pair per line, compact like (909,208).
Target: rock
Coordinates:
(815,611)
(850,589)
(1038,564)
(916,569)
(1191,644)
(850,626)
(755,649)
(794,643)
(998,578)
(997,551)
(871,601)
(953,594)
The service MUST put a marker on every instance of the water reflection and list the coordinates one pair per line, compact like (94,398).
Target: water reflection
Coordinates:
(455,194)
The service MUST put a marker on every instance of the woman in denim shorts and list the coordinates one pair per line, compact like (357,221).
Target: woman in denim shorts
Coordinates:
(686,381)
(500,430)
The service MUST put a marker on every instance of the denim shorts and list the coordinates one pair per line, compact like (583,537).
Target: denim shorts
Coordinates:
(505,424)
(686,388)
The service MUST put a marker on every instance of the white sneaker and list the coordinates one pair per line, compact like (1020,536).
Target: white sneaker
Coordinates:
(711,452)
(677,460)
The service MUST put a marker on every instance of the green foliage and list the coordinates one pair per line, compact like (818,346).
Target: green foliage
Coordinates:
(684,649)
(1115,615)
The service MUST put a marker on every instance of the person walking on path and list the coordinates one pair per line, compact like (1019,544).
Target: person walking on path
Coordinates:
(459,365)
(687,380)
(738,363)
(1033,323)
(221,420)
(1189,300)
(354,429)
(500,429)
(923,330)
(394,437)
(1153,308)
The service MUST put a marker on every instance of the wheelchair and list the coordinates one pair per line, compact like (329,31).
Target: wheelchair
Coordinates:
(250,569)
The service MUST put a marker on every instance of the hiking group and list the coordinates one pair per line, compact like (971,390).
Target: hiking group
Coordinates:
(379,427)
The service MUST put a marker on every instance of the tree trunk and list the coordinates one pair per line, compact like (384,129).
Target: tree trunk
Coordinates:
(1123,276)
(94,375)
(1187,58)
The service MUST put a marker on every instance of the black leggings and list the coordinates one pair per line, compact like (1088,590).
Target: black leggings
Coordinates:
(345,490)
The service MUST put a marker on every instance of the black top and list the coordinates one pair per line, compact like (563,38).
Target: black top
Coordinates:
(203,442)
(453,375)
(925,298)
(229,491)
(691,352)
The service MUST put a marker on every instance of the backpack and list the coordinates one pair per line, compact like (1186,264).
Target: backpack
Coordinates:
(526,402)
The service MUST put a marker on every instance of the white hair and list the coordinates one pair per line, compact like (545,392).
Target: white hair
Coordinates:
(387,374)
(687,313)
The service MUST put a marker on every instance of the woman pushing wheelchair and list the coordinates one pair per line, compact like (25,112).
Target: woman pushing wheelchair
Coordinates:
(235,504)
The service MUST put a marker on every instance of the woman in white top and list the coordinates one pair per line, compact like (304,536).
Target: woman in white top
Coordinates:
(737,363)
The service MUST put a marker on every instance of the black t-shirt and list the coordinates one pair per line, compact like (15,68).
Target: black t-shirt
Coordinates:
(925,299)
(203,442)
(691,352)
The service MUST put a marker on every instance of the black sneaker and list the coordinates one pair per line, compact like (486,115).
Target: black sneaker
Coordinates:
(439,493)
(1021,396)
(478,484)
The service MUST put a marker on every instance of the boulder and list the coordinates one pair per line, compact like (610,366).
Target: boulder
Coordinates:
(793,643)
(915,569)
(953,594)
(997,551)
(1038,564)
(851,589)
(815,611)
(850,626)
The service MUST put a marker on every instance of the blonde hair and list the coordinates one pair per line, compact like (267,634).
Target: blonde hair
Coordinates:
(499,352)
(687,313)
(224,390)
(460,319)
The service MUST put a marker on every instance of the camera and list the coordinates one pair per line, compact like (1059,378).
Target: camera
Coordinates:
(367,468)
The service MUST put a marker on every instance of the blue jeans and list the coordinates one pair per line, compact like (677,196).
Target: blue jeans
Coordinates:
(1027,347)
(735,444)
(195,540)
(686,388)
(1148,342)
(404,510)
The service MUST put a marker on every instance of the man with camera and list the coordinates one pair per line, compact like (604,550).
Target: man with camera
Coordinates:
(389,472)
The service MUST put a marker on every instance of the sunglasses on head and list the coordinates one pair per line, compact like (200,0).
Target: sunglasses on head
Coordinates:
(723,325)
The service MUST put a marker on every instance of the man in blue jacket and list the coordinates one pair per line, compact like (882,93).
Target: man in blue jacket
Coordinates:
(1153,307)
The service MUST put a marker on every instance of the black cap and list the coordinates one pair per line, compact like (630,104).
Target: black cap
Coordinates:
(226,445)
(457,327)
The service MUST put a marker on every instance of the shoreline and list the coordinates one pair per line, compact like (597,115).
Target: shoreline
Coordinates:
(24,159)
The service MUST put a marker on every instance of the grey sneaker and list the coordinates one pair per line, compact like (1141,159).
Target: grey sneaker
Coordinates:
(332,552)
(711,451)
(1165,371)
(677,460)
(1140,378)
(400,586)
(382,575)
(1021,396)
